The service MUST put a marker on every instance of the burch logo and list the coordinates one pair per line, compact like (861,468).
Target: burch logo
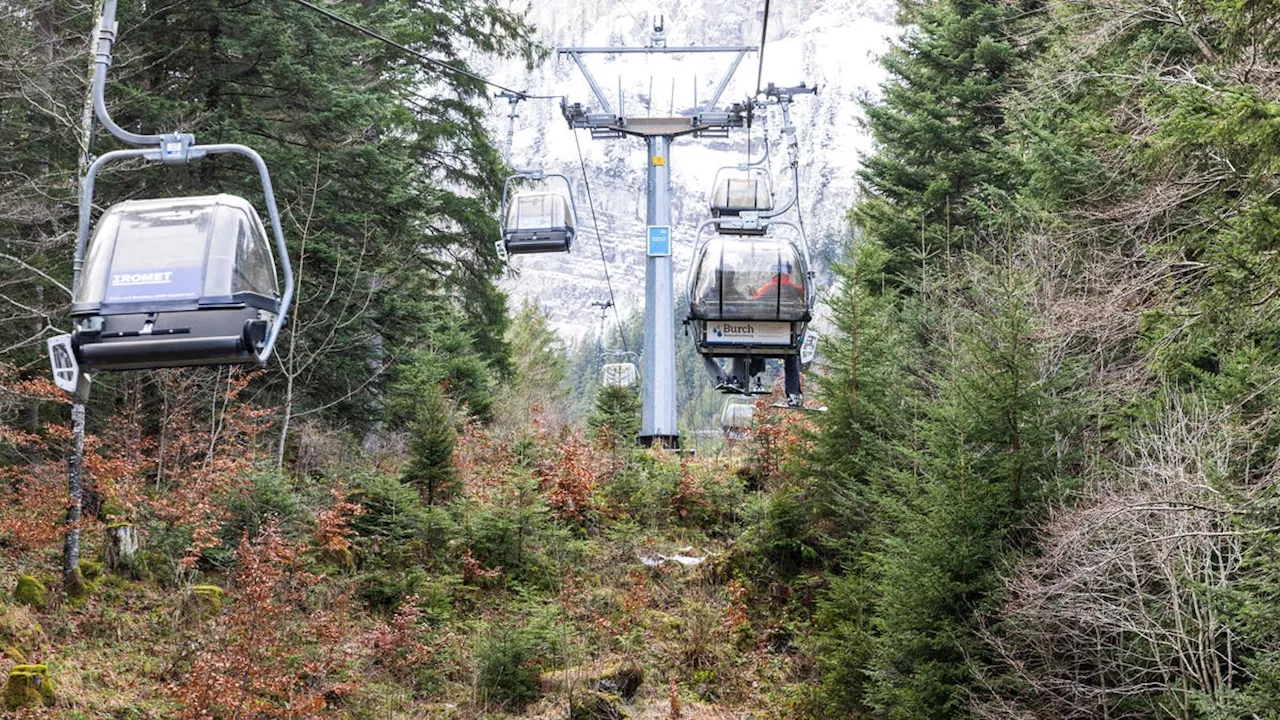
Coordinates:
(146,278)
(737,329)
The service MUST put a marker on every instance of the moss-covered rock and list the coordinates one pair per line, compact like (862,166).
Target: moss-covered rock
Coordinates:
(621,678)
(618,677)
(212,594)
(14,654)
(91,570)
(201,603)
(594,705)
(30,592)
(27,686)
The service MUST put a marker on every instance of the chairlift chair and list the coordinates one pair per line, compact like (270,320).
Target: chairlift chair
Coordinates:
(623,375)
(537,221)
(169,282)
(736,419)
(176,282)
(749,297)
(741,192)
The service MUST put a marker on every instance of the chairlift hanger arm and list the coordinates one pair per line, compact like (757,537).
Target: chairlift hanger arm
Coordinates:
(757,163)
(106,36)
(513,99)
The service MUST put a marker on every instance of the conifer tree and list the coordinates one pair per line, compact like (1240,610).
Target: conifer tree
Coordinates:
(617,411)
(940,168)
(431,443)
(870,398)
(979,470)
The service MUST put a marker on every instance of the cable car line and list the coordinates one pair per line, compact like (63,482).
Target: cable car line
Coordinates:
(596,223)
(421,56)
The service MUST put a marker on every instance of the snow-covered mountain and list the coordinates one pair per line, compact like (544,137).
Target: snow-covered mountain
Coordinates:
(833,43)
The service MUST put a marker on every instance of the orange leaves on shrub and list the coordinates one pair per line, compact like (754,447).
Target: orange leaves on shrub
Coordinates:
(569,478)
(638,596)
(33,506)
(250,667)
(779,437)
(206,451)
(33,491)
(690,495)
(473,573)
(483,463)
(736,614)
(673,701)
(333,524)
(396,644)
(40,388)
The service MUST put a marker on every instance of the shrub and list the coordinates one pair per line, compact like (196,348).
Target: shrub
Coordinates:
(270,496)
(507,666)
(512,533)
(431,444)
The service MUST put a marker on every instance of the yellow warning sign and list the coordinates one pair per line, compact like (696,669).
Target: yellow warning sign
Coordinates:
(659,161)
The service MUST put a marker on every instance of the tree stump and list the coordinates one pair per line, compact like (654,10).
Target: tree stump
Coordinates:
(122,549)
(28,686)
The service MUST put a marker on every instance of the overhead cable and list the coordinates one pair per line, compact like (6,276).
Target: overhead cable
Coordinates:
(600,243)
(420,56)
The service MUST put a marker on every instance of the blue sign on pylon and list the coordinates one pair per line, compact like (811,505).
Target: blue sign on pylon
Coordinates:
(659,240)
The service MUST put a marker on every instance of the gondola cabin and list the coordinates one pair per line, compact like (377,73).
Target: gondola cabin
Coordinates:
(736,419)
(619,375)
(175,282)
(748,297)
(741,191)
(538,222)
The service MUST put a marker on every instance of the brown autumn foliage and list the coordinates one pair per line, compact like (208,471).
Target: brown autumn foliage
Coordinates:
(269,655)
(570,476)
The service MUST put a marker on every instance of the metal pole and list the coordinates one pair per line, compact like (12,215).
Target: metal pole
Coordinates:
(658,417)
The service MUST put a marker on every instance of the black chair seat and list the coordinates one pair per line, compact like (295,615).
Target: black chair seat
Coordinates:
(538,241)
(222,336)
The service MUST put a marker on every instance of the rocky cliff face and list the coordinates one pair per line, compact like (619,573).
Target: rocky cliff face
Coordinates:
(833,43)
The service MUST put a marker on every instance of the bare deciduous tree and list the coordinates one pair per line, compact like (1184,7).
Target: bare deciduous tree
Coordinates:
(1117,617)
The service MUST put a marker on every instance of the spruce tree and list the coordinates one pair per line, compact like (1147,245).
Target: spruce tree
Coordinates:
(940,168)
(431,442)
(870,396)
(617,412)
(983,460)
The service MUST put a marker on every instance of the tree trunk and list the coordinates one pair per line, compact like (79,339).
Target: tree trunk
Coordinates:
(72,581)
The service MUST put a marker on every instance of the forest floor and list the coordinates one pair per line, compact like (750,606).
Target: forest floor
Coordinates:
(643,611)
